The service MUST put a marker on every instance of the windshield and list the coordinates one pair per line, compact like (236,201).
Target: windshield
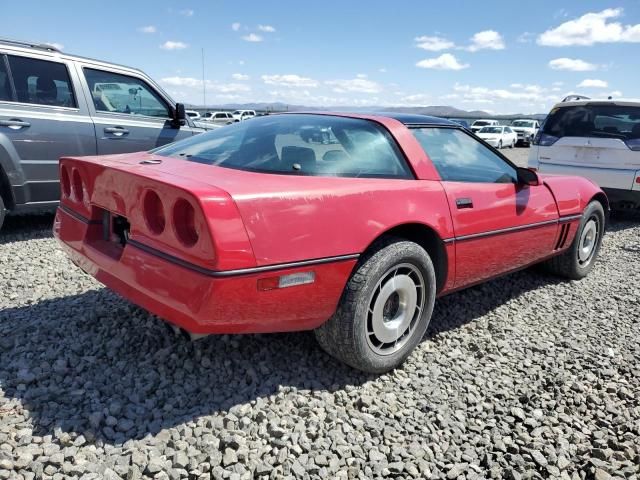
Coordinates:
(490,130)
(237,112)
(522,123)
(603,121)
(480,123)
(298,144)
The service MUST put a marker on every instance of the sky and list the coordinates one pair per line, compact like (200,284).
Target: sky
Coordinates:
(497,56)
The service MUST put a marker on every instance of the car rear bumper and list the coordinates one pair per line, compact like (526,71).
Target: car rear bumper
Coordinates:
(623,198)
(204,301)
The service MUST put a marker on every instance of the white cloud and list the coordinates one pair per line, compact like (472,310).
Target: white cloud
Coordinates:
(240,76)
(235,26)
(528,93)
(557,84)
(382,70)
(593,83)
(433,44)
(289,80)
(252,37)
(615,94)
(190,82)
(173,45)
(487,39)
(187,12)
(420,99)
(361,85)
(446,61)
(591,28)
(525,37)
(266,28)
(573,64)
(361,75)
(148,29)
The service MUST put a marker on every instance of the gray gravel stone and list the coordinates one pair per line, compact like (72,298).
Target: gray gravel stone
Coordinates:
(525,377)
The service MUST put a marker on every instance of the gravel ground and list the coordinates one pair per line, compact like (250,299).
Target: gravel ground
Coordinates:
(518,155)
(523,377)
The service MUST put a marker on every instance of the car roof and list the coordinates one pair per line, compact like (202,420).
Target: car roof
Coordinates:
(416,119)
(576,103)
(52,51)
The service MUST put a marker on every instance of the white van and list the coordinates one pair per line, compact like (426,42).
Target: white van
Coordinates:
(599,140)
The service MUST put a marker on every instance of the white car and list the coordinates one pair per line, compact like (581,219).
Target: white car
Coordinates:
(241,115)
(498,136)
(193,114)
(478,124)
(599,140)
(526,130)
(219,118)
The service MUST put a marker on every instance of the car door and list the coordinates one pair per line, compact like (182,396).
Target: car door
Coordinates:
(499,224)
(43,117)
(129,114)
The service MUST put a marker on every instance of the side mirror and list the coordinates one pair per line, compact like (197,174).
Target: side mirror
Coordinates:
(179,115)
(527,176)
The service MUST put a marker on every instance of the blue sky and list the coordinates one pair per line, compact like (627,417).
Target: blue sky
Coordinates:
(499,56)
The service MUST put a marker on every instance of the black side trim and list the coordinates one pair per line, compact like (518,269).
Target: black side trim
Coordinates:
(78,216)
(490,233)
(242,271)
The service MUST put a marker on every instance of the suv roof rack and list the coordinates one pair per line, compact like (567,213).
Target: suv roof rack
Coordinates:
(573,98)
(39,46)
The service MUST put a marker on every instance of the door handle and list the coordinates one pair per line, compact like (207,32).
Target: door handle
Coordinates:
(117,132)
(464,203)
(14,124)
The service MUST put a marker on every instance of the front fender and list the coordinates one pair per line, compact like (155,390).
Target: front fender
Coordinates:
(572,194)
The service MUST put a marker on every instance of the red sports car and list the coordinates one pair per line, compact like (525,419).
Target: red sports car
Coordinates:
(350,225)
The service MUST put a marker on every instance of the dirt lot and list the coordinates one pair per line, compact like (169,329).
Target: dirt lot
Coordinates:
(527,376)
(517,155)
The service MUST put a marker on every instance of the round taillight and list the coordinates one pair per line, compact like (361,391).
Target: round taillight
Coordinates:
(154,212)
(78,190)
(65,183)
(184,222)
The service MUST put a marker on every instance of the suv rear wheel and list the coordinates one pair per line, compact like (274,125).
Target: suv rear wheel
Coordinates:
(385,308)
(3,212)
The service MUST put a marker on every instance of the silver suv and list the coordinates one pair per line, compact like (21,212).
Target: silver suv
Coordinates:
(53,105)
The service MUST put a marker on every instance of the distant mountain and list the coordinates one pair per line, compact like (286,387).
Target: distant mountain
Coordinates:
(435,110)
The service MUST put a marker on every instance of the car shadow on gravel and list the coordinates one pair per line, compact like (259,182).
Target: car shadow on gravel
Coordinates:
(95,365)
(19,228)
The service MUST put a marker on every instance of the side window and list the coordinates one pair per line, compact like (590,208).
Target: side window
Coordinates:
(5,85)
(115,93)
(41,82)
(459,157)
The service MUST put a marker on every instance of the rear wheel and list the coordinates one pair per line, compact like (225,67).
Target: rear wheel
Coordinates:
(578,260)
(385,308)
(499,144)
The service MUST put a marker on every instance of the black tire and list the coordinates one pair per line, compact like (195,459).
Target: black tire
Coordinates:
(569,264)
(345,335)
(500,145)
(3,212)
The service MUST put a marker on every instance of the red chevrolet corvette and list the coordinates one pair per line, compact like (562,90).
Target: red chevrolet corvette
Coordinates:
(347,224)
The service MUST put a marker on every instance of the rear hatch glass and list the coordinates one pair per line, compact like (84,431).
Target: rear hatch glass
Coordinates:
(619,122)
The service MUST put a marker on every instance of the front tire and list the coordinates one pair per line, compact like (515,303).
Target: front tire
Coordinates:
(500,145)
(384,310)
(578,260)
(3,212)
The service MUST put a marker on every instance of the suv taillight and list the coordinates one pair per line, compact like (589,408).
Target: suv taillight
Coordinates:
(544,139)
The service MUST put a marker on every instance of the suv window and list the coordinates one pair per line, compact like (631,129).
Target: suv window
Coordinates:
(41,82)
(459,157)
(298,144)
(116,93)
(5,85)
(602,121)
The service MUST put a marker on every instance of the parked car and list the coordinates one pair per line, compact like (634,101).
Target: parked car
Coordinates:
(193,114)
(599,140)
(499,136)
(54,104)
(219,118)
(526,130)
(241,115)
(478,124)
(251,228)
